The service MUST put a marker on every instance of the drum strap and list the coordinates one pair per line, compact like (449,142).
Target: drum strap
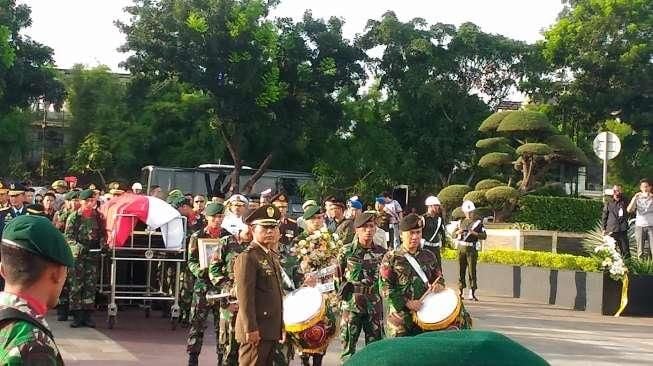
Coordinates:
(417,268)
(436,230)
(286,279)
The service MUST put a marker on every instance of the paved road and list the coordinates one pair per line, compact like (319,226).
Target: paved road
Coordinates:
(561,336)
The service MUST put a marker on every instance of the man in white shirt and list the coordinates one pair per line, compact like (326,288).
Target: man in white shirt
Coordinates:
(394,210)
(642,205)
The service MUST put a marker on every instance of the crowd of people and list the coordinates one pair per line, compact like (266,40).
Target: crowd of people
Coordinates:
(381,258)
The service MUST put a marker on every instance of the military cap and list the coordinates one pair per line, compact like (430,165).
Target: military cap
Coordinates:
(308,204)
(35,209)
(237,199)
(3,189)
(37,235)
(311,211)
(59,184)
(177,202)
(16,189)
(213,209)
(71,195)
(364,218)
(86,194)
(264,215)
(468,206)
(380,200)
(280,200)
(356,204)
(450,348)
(411,222)
(335,201)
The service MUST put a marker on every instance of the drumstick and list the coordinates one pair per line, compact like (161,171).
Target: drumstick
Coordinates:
(429,289)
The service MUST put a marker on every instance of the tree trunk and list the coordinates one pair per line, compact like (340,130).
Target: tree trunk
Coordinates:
(247,188)
(233,145)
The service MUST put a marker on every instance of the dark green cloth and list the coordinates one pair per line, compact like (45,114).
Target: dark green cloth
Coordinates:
(36,234)
(363,218)
(71,195)
(450,348)
(213,209)
(86,194)
(310,212)
(410,222)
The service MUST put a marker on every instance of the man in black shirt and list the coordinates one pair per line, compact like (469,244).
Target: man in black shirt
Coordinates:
(433,233)
(615,220)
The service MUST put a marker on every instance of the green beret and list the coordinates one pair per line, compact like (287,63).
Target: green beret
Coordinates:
(450,348)
(364,218)
(86,194)
(37,235)
(264,215)
(71,195)
(213,209)
(311,211)
(179,201)
(411,222)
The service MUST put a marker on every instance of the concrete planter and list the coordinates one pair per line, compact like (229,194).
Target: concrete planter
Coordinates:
(536,240)
(640,295)
(582,291)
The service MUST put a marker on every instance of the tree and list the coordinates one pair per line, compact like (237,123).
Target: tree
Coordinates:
(26,77)
(528,141)
(92,156)
(262,78)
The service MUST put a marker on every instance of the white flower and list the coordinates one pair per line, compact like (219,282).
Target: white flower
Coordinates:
(335,236)
(324,230)
(304,251)
(607,262)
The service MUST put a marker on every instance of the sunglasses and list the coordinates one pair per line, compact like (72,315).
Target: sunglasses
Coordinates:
(199,201)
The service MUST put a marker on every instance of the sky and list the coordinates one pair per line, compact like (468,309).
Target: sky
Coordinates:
(82,31)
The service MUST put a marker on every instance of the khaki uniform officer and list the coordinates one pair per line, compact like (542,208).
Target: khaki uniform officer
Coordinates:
(259,323)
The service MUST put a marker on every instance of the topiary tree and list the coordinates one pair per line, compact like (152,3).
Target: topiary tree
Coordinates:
(478,197)
(457,214)
(486,184)
(452,196)
(526,140)
(502,201)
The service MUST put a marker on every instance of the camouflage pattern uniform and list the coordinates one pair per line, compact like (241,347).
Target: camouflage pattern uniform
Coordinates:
(361,303)
(221,274)
(23,343)
(200,306)
(468,252)
(60,217)
(400,283)
(84,232)
(59,222)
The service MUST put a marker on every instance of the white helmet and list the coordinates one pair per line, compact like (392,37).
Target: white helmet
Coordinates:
(432,201)
(468,206)
(136,186)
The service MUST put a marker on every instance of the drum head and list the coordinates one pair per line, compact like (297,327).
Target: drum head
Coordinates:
(301,305)
(438,306)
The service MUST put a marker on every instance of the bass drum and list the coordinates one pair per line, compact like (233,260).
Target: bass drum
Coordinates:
(306,318)
(442,310)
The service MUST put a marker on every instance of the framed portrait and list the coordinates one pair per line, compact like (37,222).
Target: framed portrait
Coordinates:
(206,247)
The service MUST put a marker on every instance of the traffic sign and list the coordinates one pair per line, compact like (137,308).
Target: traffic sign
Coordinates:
(606,145)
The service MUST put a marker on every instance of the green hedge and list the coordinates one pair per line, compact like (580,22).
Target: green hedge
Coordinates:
(558,213)
(532,259)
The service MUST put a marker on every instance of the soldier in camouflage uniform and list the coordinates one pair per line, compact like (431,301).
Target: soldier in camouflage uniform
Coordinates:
(469,232)
(71,204)
(33,253)
(221,274)
(402,284)
(358,286)
(200,306)
(85,230)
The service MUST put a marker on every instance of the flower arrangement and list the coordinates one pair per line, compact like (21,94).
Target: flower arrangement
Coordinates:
(610,259)
(318,250)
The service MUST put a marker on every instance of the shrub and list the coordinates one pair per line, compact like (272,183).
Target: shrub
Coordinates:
(534,149)
(452,196)
(525,121)
(498,197)
(457,213)
(492,142)
(494,159)
(550,190)
(566,149)
(486,184)
(491,123)
(478,197)
(532,259)
(558,213)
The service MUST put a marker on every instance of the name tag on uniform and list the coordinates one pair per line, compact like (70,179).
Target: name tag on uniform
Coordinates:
(621,212)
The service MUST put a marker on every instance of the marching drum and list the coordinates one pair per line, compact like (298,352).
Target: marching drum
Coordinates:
(305,317)
(442,310)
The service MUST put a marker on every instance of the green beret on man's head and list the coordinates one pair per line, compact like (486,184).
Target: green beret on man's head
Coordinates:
(364,218)
(411,222)
(86,194)
(311,211)
(450,348)
(37,235)
(71,195)
(177,202)
(213,209)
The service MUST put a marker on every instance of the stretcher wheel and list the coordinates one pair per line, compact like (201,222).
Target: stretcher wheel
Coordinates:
(111,321)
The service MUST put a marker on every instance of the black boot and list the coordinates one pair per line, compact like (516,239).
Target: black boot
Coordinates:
(474,295)
(306,360)
(193,359)
(220,358)
(461,293)
(62,313)
(317,360)
(78,320)
(87,320)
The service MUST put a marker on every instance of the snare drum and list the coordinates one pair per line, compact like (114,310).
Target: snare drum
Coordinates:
(440,310)
(305,316)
